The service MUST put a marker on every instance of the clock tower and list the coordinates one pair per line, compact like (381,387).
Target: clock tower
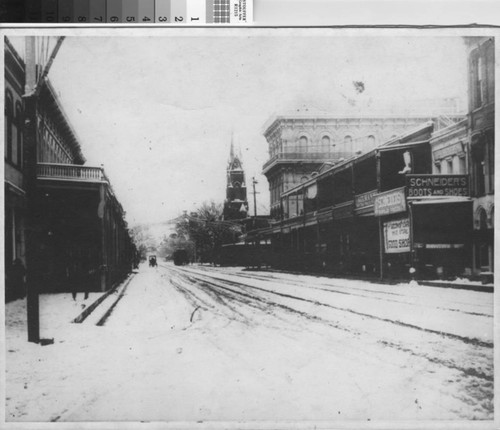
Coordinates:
(236,204)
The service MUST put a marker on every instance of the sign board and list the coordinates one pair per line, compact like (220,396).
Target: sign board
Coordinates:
(397,236)
(390,202)
(364,200)
(437,185)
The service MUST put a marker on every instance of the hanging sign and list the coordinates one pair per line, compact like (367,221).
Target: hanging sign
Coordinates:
(397,236)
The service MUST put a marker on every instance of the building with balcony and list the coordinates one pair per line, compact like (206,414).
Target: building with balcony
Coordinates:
(303,143)
(70,221)
(378,214)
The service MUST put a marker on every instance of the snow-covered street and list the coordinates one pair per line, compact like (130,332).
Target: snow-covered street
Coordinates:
(198,343)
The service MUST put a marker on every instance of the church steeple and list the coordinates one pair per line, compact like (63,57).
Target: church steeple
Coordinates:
(236,204)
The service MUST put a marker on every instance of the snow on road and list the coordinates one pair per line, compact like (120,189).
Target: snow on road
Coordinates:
(211,344)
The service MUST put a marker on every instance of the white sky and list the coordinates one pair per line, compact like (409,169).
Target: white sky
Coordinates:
(158,112)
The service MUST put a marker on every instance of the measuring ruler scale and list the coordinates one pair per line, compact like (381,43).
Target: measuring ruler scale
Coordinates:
(190,12)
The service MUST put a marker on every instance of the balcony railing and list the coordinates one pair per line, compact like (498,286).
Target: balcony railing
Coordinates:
(71,172)
(305,157)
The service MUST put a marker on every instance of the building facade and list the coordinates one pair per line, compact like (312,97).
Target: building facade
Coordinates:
(70,222)
(481,125)
(14,184)
(380,213)
(302,144)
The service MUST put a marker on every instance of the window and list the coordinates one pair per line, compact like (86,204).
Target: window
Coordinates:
(302,143)
(478,169)
(19,131)
(478,82)
(9,113)
(348,143)
(325,143)
(461,166)
(449,166)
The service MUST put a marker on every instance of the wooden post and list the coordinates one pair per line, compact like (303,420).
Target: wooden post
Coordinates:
(30,176)
(104,253)
(381,247)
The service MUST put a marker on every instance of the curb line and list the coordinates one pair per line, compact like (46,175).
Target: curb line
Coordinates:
(88,310)
(106,315)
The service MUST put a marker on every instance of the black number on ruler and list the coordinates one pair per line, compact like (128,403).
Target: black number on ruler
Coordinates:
(66,19)
(179,18)
(50,18)
(162,18)
(82,19)
(146,19)
(130,19)
(98,18)
(114,19)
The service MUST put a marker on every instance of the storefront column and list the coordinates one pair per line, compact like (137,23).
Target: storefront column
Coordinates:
(381,247)
(104,252)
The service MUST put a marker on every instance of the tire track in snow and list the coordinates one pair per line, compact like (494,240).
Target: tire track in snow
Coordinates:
(476,379)
(337,289)
(468,340)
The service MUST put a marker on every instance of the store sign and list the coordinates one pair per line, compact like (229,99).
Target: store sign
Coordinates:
(390,202)
(437,185)
(397,236)
(364,200)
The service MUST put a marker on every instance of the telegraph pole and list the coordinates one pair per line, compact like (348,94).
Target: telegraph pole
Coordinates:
(30,153)
(254,197)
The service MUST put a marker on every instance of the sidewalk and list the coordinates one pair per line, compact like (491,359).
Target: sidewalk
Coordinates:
(459,284)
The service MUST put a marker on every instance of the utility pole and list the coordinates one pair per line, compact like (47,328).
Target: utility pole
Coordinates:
(35,72)
(254,197)
(30,153)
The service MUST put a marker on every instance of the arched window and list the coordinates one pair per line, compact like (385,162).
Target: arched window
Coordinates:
(325,143)
(19,127)
(9,113)
(303,143)
(482,219)
(348,143)
(371,141)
